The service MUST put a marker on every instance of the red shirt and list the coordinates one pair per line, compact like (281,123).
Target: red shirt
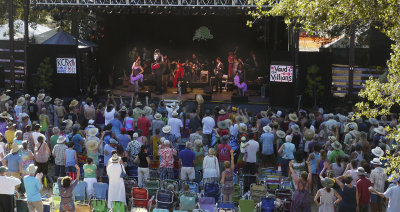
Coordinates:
(143,124)
(224,152)
(362,187)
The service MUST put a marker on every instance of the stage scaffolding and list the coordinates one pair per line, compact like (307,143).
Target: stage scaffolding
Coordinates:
(141,3)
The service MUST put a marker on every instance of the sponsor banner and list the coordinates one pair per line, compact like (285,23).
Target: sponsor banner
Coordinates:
(281,73)
(66,65)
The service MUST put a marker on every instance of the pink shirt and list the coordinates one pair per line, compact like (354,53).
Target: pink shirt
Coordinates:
(224,152)
(167,157)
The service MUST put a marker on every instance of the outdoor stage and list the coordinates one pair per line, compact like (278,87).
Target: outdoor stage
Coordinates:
(225,96)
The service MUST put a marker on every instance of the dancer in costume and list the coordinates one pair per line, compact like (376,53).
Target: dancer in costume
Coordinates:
(137,74)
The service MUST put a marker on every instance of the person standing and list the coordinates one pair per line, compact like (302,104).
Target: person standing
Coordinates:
(208,126)
(59,155)
(133,149)
(363,194)
(378,178)
(116,189)
(327,196)
(223,150)
(143,160)
(301,199)
(267,141)
(33,186)
(176,125)
(66,186)
(251,148)
(143,124)
(157,123)
(90,170)
(7,185)
(218,72)
(348,194)
(210,167)
(167,160)
(187,159)
(286,150)
(14,162)
(393,194)
(227,179)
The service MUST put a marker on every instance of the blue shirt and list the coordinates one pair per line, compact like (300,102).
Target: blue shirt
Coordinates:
(313,162)
(77,139)
(393,194)
(116,126)
(32,187)
(124,140)
(13,161)
(187,156)
(70,158)
(267,141)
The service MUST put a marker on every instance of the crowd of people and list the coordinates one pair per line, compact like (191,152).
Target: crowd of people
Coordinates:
(334,158)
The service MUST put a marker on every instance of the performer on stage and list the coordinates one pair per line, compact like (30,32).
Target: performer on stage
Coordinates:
(218,72)
(166,72)
(137,74)
(179,72)
(239,82)
(156,68)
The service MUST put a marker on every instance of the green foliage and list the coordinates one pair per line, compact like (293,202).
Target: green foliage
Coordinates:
(45,73)
(314,87)
(202,33)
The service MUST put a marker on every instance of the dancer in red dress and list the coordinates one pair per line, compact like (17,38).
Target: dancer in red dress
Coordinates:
(178,73)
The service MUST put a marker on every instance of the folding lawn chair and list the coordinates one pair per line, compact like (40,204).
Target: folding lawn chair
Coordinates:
(193,186)
(80,193)
(160,210)
(118,207)
(187,201)
(167,182)
(55,203)
(98,201)
(246,205)
(225,207)
(257,191)
(207,204)
(152,187)
(140,198)
(267,204)
(164,199)
(212,190)
(56,190)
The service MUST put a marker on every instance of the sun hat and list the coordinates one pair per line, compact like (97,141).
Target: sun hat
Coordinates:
(91,122)
(311,116)
(138,104)
(295,128)
(336,145)
(157,116)
(91,144)
(11,125)
(199,99)
(380,130)
(293,117)
(32,99)
(15,148)
(373,121)
(309,134)
(148,110)
(288,138)
(267,129)
(243,139)
(377,151)
(115,158)
(347,127)
(123,108)
(4,97)
(280,134)
(61,139)
(135,135)
(376,161)
(327,182)
(3,169)
(73,103)
(20,101)
(198,142)
(40,96)
(27,96)
(113,141)
(361,171)
(222,112)
(166,129)
(68,123)
(234,109)
(4,115)
(332,139)
(242,128)
(223,125)
(278,114)
(31,169)
(47,99)
(93,131)
(174,114)
(240,119)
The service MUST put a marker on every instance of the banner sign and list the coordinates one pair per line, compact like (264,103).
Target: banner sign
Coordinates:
(66,65)
(281,73)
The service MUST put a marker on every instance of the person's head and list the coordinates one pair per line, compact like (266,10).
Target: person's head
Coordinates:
(110,107)
(157,131)
(211,152)
(37,127)
(185,187)
(56,130)
(143,149)
(304,175)
(338,160)
(317,148)
(89,160)
(227,164)
(348,179)
(299,156)
(189,145)
(28,128)
(3,170)
(66,182)
(18,135)
(40,139)
(25,145)
(170,187)
(70,145)
(323,154)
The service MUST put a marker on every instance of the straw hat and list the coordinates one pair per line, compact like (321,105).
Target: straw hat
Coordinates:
(68,124)
(327,182)
(361,171)
(234,109)
(243,128)
(380,130)
(293,117)
(4,115)
(199,99)
(73,103)
(61,139)
(4,97)
(267,129)
(15,148)
(222,112)
(138,104)
(264,114)
(295,128)
(347,127)
(309,134)
(376,161)
(174,114)
(47,99)
(157,116)
(332,139)
(20,101)
(166,129)
(336,145)
(40,96)
(91,144)
(240,119)
(93,131)
(223,125)
(31,169)
(377,151)
(148,110)
(228,122)
(11,125)
(115,158)
(280,134)
(198,142)
(123,108)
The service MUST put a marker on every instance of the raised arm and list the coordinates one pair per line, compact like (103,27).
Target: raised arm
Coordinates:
(309,177)
(232,160)
(339,182)
(296,180)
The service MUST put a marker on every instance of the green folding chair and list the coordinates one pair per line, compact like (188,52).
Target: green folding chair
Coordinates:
(246,205)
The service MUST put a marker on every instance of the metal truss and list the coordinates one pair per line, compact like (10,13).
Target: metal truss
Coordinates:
(163,3)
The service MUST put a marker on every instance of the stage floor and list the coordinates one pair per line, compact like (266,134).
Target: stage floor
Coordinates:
(225,96)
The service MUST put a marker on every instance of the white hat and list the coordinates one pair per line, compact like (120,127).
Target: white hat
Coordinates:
(91,122)
(380,130)
(267,128)
(278,113)
(135,135)
(31,169)
(376,161)
(175,114)
(166,129)
(33,99)
(61,139)
(377,151)
(93,131)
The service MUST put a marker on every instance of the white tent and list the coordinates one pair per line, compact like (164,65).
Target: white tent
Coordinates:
(34,30)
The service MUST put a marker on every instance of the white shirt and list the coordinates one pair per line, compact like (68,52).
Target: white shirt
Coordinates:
(171,109)
(108,116)
(2,151)
(7,184)
(354,175)
(35,136)
(234,130)
(378,178)
(251,149)
(175,125)
(208,125)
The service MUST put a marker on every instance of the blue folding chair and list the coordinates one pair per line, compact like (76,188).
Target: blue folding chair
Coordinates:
(80,192)
(100,190)
(225,206)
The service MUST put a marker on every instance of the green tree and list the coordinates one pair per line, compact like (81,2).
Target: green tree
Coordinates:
(45,73)
(324,16)
(314,87)
(202,33)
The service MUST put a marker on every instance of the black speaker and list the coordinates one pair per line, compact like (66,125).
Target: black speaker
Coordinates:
(207,90)
(143,95)
(2,83)
(239,99)
(207,98)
